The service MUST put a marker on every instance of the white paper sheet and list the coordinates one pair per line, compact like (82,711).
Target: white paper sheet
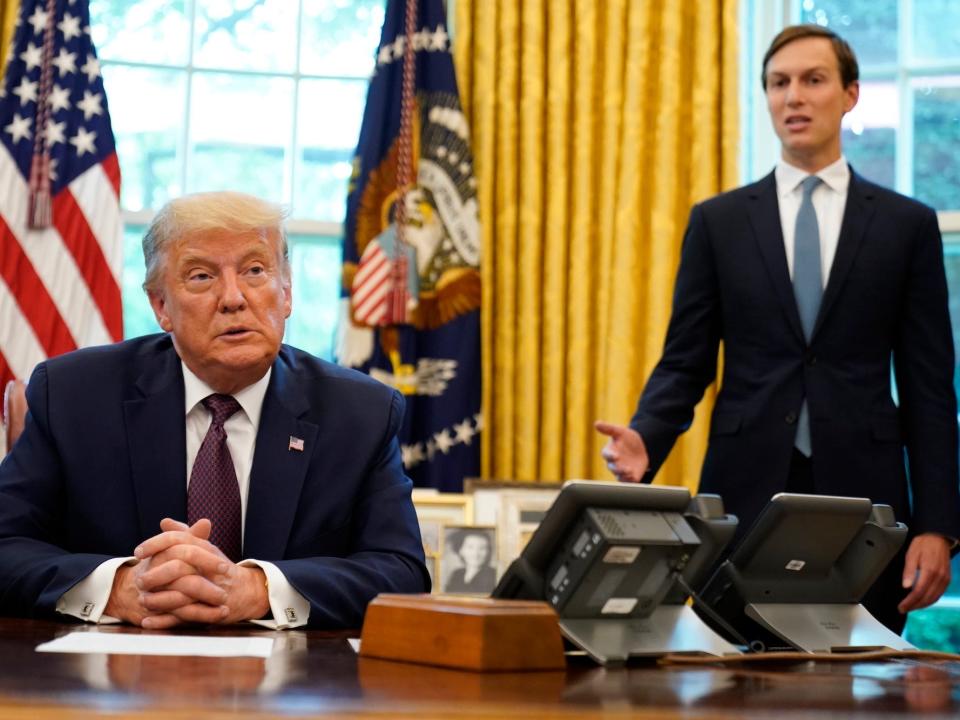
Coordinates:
(146,644)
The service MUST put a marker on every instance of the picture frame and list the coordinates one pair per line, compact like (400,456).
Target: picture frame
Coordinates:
(433,565)
(435,511)
(430,535)
(468,560)
(448,508)
(514,507)
(518,516)
(472,484)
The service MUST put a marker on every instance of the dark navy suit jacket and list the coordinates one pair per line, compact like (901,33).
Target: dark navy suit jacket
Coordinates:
(885,300)
(102,460)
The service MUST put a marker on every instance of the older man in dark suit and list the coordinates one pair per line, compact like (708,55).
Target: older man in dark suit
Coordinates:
(209,474)
(815,280)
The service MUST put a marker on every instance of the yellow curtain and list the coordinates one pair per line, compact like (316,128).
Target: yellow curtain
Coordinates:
(596,126)
(8,16)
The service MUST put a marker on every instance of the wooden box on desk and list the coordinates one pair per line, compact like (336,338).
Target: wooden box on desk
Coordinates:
(463,632)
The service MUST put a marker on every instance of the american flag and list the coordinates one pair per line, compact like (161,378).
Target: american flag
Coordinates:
(371,286)
(381,287)
(60,229)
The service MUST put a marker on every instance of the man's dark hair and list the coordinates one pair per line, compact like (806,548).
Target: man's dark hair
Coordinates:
(846,60)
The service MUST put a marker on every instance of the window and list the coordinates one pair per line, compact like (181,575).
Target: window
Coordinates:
(905,129)
(903,133)
(262,96)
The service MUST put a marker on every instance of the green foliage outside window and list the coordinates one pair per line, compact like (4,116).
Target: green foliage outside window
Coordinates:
(935,628)
(936,134)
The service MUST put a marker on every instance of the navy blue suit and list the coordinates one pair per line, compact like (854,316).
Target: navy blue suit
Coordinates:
(103,459)
(885,300)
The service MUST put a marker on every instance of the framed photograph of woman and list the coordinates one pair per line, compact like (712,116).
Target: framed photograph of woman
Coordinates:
(468,563)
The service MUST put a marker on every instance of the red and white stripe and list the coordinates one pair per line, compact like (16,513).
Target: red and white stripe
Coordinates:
(59,286)
(371,286)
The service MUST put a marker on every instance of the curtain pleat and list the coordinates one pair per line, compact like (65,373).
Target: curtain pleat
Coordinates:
(596,127)
(8,18)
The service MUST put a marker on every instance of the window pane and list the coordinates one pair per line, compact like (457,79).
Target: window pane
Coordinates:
(250,35)
(240,128)
(870,26)
(870,132)
(936,137)
(148,127)
(315,266)
(935,35)
(340,37)
(148,31)
(935,628)
(138,318)
(951,261)
(326,142)
(938,627)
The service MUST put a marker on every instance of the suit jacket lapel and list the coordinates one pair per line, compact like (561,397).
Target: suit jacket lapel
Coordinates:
(278,469)
(156,441)
(764,213)
(856,217)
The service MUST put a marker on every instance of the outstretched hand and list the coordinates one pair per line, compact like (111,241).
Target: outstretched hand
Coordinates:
(625,452)
(926,571)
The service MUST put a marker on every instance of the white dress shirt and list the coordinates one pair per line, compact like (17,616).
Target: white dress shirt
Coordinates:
(88,598)
(829,201)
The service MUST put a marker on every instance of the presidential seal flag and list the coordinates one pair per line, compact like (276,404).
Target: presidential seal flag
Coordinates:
(60,230)
(411,278)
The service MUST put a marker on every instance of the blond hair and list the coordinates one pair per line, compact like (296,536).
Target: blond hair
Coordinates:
(226,210)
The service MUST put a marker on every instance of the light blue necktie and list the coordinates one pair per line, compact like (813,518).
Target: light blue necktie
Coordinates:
(807,287)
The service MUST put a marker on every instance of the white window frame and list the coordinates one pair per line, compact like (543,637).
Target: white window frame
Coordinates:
(296,226)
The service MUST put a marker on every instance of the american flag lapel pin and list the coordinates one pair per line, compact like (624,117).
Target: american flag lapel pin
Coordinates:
(295,444)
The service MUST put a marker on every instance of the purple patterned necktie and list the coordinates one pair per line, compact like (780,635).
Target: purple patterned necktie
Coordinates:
(213,492)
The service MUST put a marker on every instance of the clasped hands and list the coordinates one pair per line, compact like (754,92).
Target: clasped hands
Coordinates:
(181,577)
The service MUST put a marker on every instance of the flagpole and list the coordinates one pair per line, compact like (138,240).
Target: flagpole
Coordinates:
(41,209)
(399,299)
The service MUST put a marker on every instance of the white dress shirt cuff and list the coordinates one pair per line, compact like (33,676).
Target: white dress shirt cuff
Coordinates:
(88,598)
(290,609)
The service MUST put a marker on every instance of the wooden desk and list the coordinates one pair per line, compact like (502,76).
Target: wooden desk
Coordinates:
(317,674)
